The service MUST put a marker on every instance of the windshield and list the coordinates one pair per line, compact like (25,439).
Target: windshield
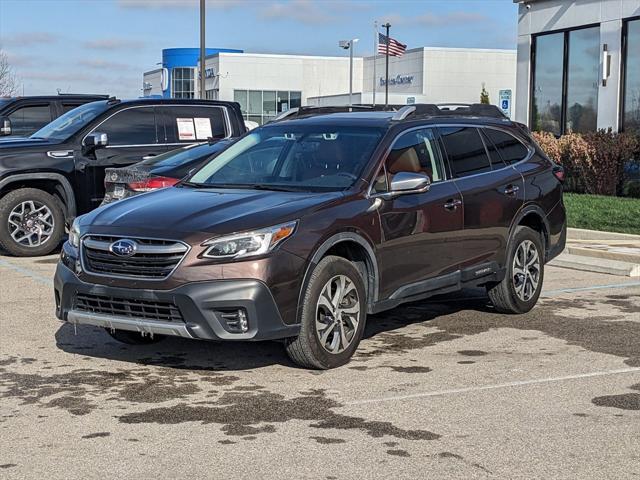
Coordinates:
(72,121)
(184,155)
(307,158)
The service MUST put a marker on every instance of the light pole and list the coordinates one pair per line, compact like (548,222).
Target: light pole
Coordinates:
(202,49)
(348,45)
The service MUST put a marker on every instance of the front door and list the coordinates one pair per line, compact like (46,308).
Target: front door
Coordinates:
(419,230)
(132,136)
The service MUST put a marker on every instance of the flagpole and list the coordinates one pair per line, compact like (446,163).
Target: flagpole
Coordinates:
(386,83)
(375,57)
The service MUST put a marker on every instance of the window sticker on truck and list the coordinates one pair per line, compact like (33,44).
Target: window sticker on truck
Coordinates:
(186,130)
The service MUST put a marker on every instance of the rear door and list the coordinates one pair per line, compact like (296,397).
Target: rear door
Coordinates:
(419,230)
(133,136)
(185,124)
(491,191)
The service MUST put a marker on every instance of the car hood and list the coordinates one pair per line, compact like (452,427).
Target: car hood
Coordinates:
(178,212)
(21,142)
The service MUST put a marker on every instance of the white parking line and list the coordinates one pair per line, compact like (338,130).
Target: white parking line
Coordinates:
(27,272)
(492,387)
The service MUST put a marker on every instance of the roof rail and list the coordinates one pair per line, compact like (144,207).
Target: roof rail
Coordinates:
(404,112)
(285,114)
(320,110)
(449,109)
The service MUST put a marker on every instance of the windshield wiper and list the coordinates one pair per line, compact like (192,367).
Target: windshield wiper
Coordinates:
(195,185)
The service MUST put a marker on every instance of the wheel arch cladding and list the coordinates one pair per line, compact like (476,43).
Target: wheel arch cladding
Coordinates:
(533,217)
(356,249)
(53,183)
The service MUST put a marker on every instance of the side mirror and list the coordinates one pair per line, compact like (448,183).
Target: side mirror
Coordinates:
(5,126)
(409,182)
(96,140)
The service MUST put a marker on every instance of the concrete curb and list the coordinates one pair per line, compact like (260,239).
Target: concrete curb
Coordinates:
(584,234)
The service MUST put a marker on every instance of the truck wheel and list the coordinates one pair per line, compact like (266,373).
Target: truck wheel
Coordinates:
(333,316)
(31,222)
(134,338)
(518,292)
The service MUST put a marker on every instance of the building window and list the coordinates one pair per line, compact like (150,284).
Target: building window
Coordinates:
(566,75)
(631,102)
(262,105)
(183,83)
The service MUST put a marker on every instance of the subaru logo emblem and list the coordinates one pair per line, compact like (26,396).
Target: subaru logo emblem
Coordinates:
(123,248)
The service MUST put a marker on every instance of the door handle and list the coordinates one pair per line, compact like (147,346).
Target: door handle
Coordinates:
(452,204)
(511,190)
(149,157)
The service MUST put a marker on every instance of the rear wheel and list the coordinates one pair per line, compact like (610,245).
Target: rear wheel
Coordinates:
(333,316)
(31,222)
(134,338)
(520,289)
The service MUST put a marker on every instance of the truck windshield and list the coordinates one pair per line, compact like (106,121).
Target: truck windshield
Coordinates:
(71,122)
(285,157)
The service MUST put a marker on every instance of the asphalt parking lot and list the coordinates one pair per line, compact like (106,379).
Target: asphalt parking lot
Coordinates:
(439,389)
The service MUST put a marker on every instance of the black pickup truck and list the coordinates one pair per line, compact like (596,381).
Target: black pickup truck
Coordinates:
(58,173)
(23,116)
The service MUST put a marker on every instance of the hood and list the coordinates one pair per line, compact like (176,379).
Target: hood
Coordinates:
(21,142)
(180,211)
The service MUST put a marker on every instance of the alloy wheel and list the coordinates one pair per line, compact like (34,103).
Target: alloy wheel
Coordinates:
(337,314)
(31,223)
(526,270)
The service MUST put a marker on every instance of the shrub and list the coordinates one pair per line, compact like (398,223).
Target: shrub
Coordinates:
(594,162)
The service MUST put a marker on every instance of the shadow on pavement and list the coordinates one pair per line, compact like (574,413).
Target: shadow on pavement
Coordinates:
(178,353)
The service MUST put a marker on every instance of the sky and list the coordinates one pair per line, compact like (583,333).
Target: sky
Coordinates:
(104,46)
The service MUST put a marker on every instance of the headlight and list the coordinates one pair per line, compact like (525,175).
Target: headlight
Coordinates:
(249,244)
(74,234)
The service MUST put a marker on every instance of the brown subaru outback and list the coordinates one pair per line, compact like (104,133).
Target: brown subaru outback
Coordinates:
(304,226)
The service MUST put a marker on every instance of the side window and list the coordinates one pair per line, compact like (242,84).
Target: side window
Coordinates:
(134,126)
(494,156)
(69,106)
(465,150)
(27,120)
(510,148)
(415,151)
(194,123)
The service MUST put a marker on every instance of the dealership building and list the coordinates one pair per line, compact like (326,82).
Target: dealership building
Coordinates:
(268,84)
(578,65)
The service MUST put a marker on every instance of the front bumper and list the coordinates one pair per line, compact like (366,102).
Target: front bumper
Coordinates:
(201,306)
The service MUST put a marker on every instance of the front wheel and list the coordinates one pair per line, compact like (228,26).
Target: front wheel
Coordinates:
(333,316)
(520,289)
(31,222)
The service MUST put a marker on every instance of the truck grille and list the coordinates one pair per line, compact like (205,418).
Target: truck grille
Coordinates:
(127,307)
(154,259)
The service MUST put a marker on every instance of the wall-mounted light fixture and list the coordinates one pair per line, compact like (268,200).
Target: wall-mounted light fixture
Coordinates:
(606,64)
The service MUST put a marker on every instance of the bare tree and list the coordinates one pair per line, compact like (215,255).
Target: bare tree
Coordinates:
(8,81)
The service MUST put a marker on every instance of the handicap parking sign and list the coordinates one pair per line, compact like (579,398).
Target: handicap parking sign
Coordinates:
(505,102)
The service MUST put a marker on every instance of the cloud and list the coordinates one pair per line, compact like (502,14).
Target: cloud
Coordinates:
(28,39)
(99,64)
(303,11)
(159,4)
(113,44)
(440,20)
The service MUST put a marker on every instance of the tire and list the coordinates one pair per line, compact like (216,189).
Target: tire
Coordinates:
(134,338)
(307,349)
(509,296)
(37,212)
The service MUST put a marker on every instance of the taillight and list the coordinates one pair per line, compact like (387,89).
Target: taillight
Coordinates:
(152,183)
(558,172)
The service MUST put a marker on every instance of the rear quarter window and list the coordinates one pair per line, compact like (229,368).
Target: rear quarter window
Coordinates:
(206,122)
(510,148)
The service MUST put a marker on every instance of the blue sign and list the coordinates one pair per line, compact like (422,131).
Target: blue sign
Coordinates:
(505,102)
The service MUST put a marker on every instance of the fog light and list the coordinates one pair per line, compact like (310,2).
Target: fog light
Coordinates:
(234,320)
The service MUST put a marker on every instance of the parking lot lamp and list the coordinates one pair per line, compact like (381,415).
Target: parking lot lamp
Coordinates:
(348,45)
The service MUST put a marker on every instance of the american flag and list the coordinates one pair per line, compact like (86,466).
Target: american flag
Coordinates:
(396,49)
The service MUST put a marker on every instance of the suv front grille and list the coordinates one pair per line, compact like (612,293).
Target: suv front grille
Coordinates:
(154,259)
(127,307)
